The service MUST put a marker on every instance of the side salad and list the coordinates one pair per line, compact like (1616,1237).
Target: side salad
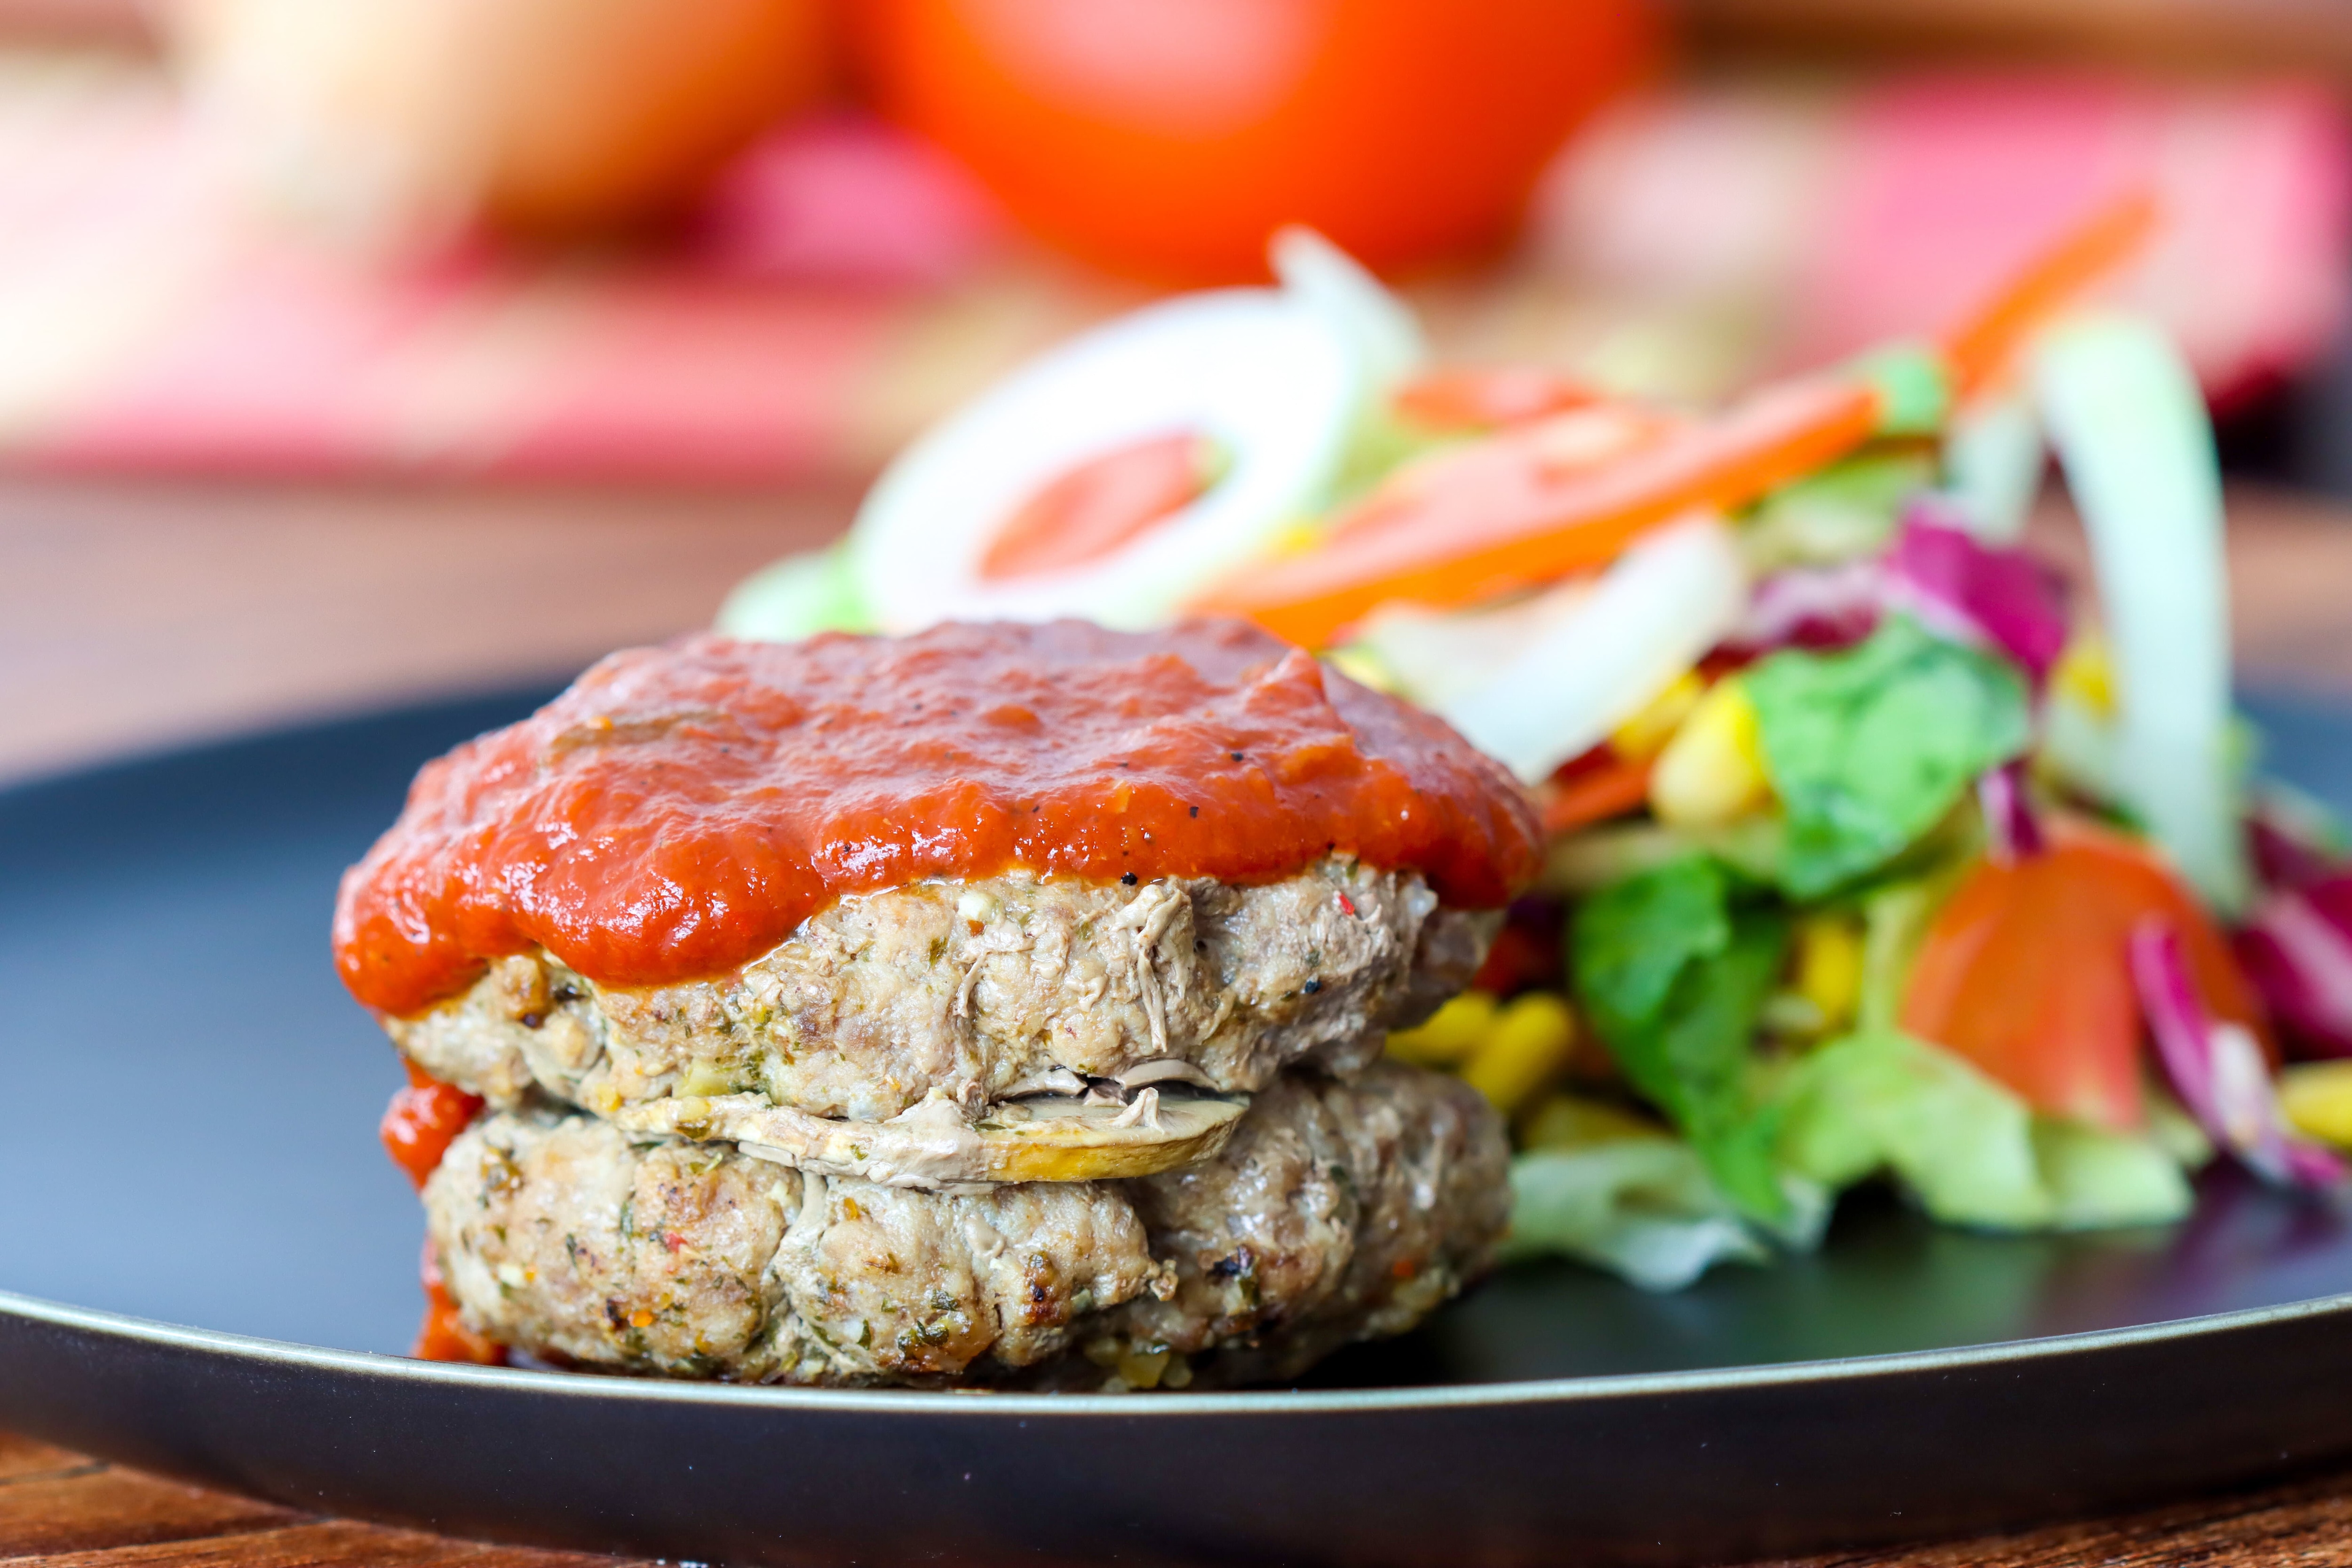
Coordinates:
(1876,851)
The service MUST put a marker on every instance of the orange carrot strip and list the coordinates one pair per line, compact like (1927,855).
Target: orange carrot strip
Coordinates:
(2108,240)
(1499,512)
(1585,798)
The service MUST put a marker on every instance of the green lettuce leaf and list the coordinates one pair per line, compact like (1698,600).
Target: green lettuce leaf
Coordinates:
(1842,512)
(797,597)
(1868,749)
(1673,974)
(1964,1146)
(1642,1208)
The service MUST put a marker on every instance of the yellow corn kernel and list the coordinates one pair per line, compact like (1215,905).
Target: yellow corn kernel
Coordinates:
(1531,1040)
(1647,733)
(1829,968)
(706,1077)
(1570,1121)
(1365,668)
(1712,771)
(1144,1368)
(2317,1099)
(1451,1035)
(1297,537)
(2087,674)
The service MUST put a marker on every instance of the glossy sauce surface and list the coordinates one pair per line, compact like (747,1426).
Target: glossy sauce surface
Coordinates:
(679,811)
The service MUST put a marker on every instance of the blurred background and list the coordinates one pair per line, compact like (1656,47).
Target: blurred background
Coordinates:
(359,350)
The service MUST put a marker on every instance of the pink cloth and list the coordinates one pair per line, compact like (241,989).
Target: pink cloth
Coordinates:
(843,285)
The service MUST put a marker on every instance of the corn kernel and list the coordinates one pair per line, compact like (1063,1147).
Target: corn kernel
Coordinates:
(1531,1040)
(1365,668)
(1570,1121)
(2087,673)
(2317,1099)
(1829,968)
(706,1077)
(1647,733)
(1712,771)
(1297,537)
(1452,1034)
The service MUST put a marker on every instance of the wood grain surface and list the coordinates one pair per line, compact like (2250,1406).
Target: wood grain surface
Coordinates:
(138,616)
(134,616)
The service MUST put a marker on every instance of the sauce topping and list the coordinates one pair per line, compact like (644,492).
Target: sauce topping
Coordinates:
(680,810)
(422,1121)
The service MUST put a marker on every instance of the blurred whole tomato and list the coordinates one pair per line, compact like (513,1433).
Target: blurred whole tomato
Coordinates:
(1171,137)
(396,123)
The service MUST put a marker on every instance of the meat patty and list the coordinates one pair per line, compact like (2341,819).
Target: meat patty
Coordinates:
(1339,1211)
(975,991)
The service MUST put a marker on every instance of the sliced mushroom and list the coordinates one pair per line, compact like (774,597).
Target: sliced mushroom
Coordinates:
(1048,1139)
(1165,1069)
(1053,1080)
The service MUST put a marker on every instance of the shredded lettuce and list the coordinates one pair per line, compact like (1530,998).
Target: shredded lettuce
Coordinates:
(1845,512)
(1966,1148)
(2100,1180)
(1870,748)
(1642,1208)
(797,597)
(1895,921)
(1583,862)
(1673,973)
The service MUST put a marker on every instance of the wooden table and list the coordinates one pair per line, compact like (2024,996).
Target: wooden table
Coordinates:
(133,617)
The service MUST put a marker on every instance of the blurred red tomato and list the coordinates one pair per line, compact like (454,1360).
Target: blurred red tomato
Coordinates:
(1171,137)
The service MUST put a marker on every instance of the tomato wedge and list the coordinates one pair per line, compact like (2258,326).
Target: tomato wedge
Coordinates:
(1506,512)
(2026,973)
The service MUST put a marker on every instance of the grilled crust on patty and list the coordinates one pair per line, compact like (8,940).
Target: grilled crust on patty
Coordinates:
(972,989)
(1339,1211)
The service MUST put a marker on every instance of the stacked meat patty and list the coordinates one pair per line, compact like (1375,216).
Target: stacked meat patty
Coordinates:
(1002,1005)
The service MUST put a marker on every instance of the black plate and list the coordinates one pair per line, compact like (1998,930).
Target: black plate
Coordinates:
(187,1104)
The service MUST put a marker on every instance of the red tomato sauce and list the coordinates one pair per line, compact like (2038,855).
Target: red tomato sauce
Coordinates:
(442,1334)
(680,810)
(422,1120)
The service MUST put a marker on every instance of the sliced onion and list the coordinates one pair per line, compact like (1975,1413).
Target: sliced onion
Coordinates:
(2217,1068)
(1994,456)
(1936,572)
(1649,617)
(2000,596)
(1813,607)
(1325,278)
(2297,950)
(1278,381)
(1439,657)
(2295,841)
(2012,831)
(2130,428)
